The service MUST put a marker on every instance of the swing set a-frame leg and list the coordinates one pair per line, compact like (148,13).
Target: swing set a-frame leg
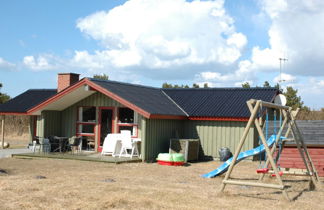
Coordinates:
(277,141)
(254,119)
(271,161)
(304,152)
(240,145)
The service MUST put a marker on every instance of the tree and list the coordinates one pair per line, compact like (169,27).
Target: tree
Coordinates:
(3,97)
(246,85)
(293,100)
(101,76)
(206,85)
(266,84)
(194,85)
(167,85)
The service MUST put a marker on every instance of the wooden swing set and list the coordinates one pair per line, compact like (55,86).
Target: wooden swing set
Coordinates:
(287,118)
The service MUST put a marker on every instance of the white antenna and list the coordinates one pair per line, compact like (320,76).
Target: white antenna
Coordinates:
(280,63)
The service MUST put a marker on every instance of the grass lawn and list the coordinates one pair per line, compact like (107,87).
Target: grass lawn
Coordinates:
(71,184)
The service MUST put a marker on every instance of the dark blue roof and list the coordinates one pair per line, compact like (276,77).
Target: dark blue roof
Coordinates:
(218,102)
(152,100)
(27,100)
(192,102)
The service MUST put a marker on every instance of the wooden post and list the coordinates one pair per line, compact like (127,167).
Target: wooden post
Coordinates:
(2,130)
(277,141)
(301,145)
(289,118)
(238,149)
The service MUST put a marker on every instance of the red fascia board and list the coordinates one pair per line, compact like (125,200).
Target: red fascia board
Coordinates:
(168,117)
(13,113)
(57,96)
(117,98)
(240,119)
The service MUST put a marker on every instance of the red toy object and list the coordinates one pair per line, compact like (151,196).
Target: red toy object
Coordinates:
(165,163)
(170,163)
(280,174)
(262,170)
(178,163)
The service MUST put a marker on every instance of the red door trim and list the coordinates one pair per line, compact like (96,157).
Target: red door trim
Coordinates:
(99,124)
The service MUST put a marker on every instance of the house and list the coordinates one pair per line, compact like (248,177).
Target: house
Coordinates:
(313,136)
(91,108)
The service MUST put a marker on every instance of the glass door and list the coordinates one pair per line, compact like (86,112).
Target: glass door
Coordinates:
(105,124)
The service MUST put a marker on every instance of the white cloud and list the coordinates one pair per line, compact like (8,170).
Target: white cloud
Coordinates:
(43,62)
(153,34)
(295,34)
(5,65)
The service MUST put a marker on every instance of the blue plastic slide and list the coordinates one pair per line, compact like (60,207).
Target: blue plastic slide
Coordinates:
(223,168)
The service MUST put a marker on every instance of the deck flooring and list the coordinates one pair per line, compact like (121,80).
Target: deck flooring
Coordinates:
(84,156)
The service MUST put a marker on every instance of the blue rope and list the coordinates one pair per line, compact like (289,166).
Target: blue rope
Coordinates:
(275,123)
(267,127)
(280,142)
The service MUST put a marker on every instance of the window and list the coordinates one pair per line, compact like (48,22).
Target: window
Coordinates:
(86,121)
(127,120)
(87,114)
(126,115)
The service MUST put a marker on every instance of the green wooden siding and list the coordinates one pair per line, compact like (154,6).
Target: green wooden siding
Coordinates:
(69,115)
(49,123)
(40,125)
(63,123)
(157,135)
(216,134)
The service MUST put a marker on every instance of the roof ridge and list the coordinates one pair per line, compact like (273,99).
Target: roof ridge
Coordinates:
(223,88)
(175,103)
(122,83)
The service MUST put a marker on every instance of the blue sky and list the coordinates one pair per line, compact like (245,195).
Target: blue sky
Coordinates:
(224,43)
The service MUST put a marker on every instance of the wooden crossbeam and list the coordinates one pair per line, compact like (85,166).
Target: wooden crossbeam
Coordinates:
(288,120)
(254,184)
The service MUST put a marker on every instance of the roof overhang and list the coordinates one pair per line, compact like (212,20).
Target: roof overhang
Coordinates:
(64,99)
(13,113)
(83,89)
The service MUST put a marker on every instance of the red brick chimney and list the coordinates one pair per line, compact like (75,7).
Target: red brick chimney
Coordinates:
(65,80)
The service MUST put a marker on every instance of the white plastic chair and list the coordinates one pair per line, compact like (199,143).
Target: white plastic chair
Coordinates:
(46,146)
(111,145)
(127,144)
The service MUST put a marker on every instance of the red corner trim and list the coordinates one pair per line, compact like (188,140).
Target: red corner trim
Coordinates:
(241,119)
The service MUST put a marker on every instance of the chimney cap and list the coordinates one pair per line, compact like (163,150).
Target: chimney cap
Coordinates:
(68,74)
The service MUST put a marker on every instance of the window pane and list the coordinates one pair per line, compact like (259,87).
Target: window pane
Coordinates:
(88,114)
(126,115)
(86,128)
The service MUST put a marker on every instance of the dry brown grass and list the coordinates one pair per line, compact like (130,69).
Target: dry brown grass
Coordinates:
(73,184)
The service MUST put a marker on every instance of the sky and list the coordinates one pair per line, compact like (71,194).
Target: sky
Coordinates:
(220,42)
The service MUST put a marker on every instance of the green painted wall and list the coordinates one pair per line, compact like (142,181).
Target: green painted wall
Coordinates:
(216,134)
(40,125)
(69,115)
(49,123)
(157,134)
